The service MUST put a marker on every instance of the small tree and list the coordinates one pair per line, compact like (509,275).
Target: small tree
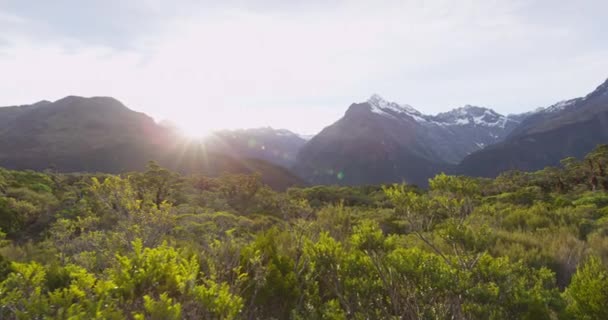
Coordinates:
(587,293)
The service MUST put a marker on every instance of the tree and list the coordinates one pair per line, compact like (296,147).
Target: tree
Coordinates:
(444,209)
(574,171)
(588,291)
(240,190)
(550,179)
(597,162)
(157,184)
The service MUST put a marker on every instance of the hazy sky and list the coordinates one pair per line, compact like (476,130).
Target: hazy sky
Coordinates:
(299,64)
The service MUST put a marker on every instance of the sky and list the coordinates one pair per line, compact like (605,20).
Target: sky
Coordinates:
(298,65)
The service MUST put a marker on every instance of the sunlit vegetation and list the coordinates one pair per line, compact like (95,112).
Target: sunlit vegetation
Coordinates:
(157,245)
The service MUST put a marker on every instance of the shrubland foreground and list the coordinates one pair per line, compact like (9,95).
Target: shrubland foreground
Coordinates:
(156,245)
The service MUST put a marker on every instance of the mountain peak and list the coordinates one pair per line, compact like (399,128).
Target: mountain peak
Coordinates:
(468,111)
(380,105)
(70,99)
(476,109)
(75,99)
(106,103)
(41,103)
(604,86)
(471,115)
(376,98)
(565,104)
(602,90)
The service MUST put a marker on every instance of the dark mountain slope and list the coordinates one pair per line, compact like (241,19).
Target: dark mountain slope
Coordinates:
(100,134)
(80,134)
(380,142)
(365,148)
(8,114)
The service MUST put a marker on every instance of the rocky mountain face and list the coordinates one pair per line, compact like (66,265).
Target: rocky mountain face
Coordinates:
(378,141)
(460,132)
(100,134)
(569,128)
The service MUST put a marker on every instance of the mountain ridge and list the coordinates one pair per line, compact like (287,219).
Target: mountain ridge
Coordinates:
(376,141)
(380,140)
(396,142)
(569,128)
(100,134)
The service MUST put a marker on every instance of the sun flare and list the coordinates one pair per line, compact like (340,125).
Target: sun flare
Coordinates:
(197,128)
(195,131)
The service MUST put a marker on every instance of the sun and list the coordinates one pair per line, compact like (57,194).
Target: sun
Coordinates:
(197,128)
(195,132)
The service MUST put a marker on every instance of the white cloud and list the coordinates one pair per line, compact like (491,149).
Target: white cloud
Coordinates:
(299,68)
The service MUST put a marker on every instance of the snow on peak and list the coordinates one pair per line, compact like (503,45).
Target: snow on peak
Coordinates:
(470,107)
(539,109)
(604,86)
(381,106)
(560,106)
(463,116)
(601,91)
(472,115)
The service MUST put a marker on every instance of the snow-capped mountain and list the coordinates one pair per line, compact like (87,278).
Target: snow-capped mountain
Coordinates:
(382,141)
(472,115)
(391,109)
(569,128)
(562,105)
(463,116)
(452,135)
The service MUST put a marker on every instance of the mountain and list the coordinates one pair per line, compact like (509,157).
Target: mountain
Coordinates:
(279,147)
(100,134)
(569,128)
(457,133)
(378,141)
(79,134)
(8,114)
(306,137)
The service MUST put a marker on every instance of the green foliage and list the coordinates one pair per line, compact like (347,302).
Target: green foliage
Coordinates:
(5,268)
(216,301)
(156,186)
(161,269)
(164,309)
(588,292)
(598,199)
(505,290)
(156,245)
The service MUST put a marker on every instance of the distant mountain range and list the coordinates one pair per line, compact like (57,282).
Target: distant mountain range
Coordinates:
(379,141)
(569,128)
(376,141)
(275,146)
(100,134)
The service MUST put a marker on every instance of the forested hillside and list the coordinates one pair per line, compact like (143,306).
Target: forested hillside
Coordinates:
(158,245)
